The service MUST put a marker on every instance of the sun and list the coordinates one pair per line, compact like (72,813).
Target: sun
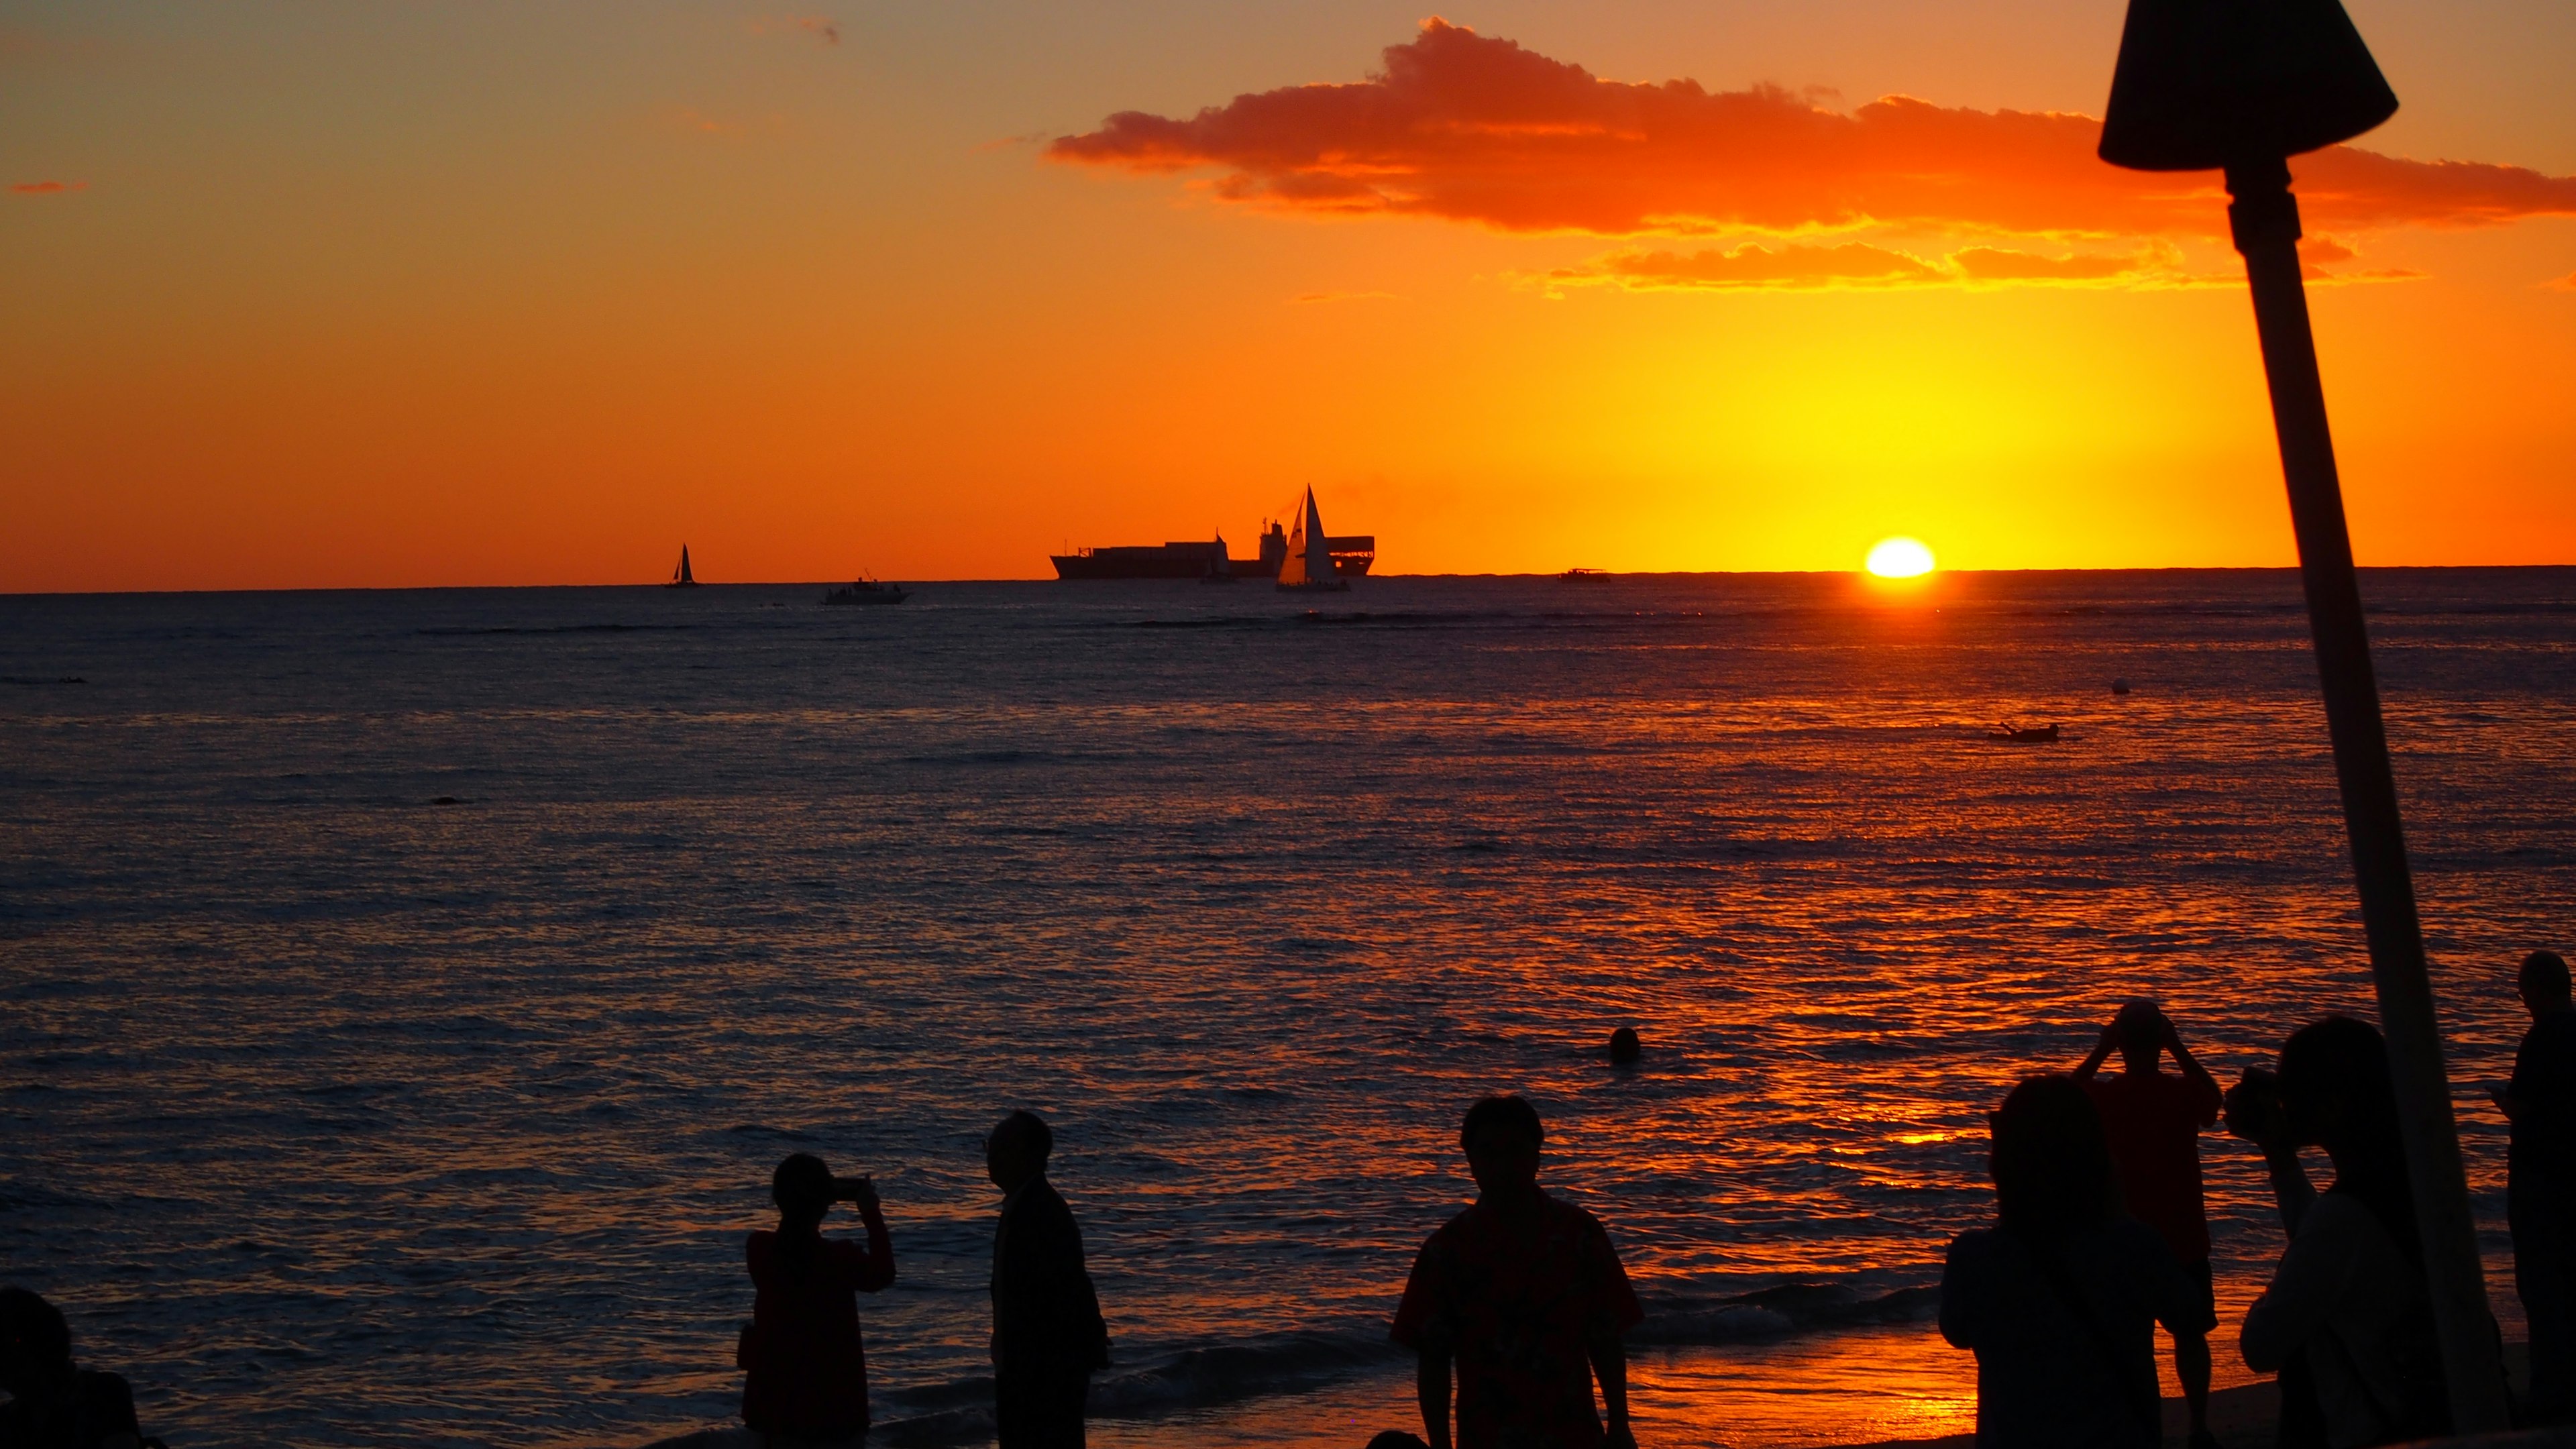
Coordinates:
(1900,558)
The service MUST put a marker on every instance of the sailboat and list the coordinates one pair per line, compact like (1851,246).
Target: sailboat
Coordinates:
(680,577)
(1309,565)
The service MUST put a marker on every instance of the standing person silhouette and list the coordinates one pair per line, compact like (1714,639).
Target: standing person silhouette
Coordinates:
(805,1370)
(1524,1295)
(2060,1300)
(2540,1183)
(2153,1123)
(1048,1337)
(2348,1302)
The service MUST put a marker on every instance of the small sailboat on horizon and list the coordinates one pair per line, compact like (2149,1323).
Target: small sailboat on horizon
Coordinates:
(1309,569)
(681,578)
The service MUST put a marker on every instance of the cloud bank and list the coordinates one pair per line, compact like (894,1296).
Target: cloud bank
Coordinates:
(1468,128)
(1798,267)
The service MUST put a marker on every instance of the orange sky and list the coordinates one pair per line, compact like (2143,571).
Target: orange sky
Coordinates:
(303,295)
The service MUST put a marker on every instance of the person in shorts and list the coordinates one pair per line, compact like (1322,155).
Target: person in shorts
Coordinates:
(1523,1295)
(2153,1120)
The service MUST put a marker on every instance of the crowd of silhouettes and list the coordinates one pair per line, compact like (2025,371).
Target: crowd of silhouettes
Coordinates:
(1516,1308)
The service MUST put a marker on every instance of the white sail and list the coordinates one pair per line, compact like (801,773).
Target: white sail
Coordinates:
(1309,564)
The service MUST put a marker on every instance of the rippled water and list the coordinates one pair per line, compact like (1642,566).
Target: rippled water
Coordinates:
(340,1116)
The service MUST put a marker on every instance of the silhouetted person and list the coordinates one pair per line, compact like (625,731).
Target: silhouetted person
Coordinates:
(805,1371)
(2153,1122)
(2060,1300)
(2540,1186)
(1048,1337)
(1524,1294)
(2348,1300)
(54,1404)
(1624,1046)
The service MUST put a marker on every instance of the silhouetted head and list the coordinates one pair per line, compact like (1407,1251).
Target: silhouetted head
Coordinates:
(2051,1163)
(2142,1034)
(2543,983)
(802,1188)
(1016,1151)
(1624,1046)
(1502,1137)
(2337,1091)
(35,1343)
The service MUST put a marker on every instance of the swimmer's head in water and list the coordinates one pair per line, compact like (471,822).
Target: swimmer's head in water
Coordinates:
(1624,1046)
(802,1187)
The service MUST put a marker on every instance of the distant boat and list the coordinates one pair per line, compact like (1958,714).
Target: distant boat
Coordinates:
(867,591)
(2004,734)
(681,578)
(1308,569)
(1584,576)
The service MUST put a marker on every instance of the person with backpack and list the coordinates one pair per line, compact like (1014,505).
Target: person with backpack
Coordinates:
(2060,1299)
(805,1369)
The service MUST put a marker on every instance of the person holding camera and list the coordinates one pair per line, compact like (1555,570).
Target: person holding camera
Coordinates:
(805,1370)
(2347,1322)
(2153,1121)
(2540,1183)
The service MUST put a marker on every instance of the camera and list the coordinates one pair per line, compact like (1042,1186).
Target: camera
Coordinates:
(2255,1111)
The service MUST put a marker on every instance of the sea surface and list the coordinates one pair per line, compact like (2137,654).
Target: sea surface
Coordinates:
(404,996)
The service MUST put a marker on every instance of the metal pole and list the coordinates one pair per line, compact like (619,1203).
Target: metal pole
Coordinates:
(2265,220)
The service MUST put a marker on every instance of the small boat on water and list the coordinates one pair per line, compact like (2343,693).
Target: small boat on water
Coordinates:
(866,590)
(681,578)
(1584,576)
(1309,569)
(2004,734)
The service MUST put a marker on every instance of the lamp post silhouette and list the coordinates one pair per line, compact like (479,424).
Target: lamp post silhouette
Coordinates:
(2240,86)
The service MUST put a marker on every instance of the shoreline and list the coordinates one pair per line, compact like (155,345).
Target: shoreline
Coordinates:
(2243,1417)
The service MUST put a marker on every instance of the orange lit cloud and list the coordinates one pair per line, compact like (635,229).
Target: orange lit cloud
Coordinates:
(1799,267)
(1792,267)
(47,188)
(1468,128)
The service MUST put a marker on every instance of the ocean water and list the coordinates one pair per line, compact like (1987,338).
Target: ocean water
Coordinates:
(405,995)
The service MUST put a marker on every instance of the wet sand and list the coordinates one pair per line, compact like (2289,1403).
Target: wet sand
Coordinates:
(2241,1417)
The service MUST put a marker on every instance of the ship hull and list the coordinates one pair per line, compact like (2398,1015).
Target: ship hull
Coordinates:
(1351,560)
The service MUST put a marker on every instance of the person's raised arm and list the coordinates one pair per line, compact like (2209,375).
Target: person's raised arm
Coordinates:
(1610,1366)
(2101,1052)
(877,1270)
(2204,1087)
(1431,1388)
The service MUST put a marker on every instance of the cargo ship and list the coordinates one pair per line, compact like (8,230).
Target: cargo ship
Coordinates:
(1352,555)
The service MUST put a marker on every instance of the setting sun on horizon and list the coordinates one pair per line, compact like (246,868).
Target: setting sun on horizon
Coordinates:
(1900,558)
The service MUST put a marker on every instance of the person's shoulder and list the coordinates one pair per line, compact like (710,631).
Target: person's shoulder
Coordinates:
(1461,1226)
(1975,1244)
(758,1245)
(1573,1215)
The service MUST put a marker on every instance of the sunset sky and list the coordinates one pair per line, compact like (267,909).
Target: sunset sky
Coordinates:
(296,294)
